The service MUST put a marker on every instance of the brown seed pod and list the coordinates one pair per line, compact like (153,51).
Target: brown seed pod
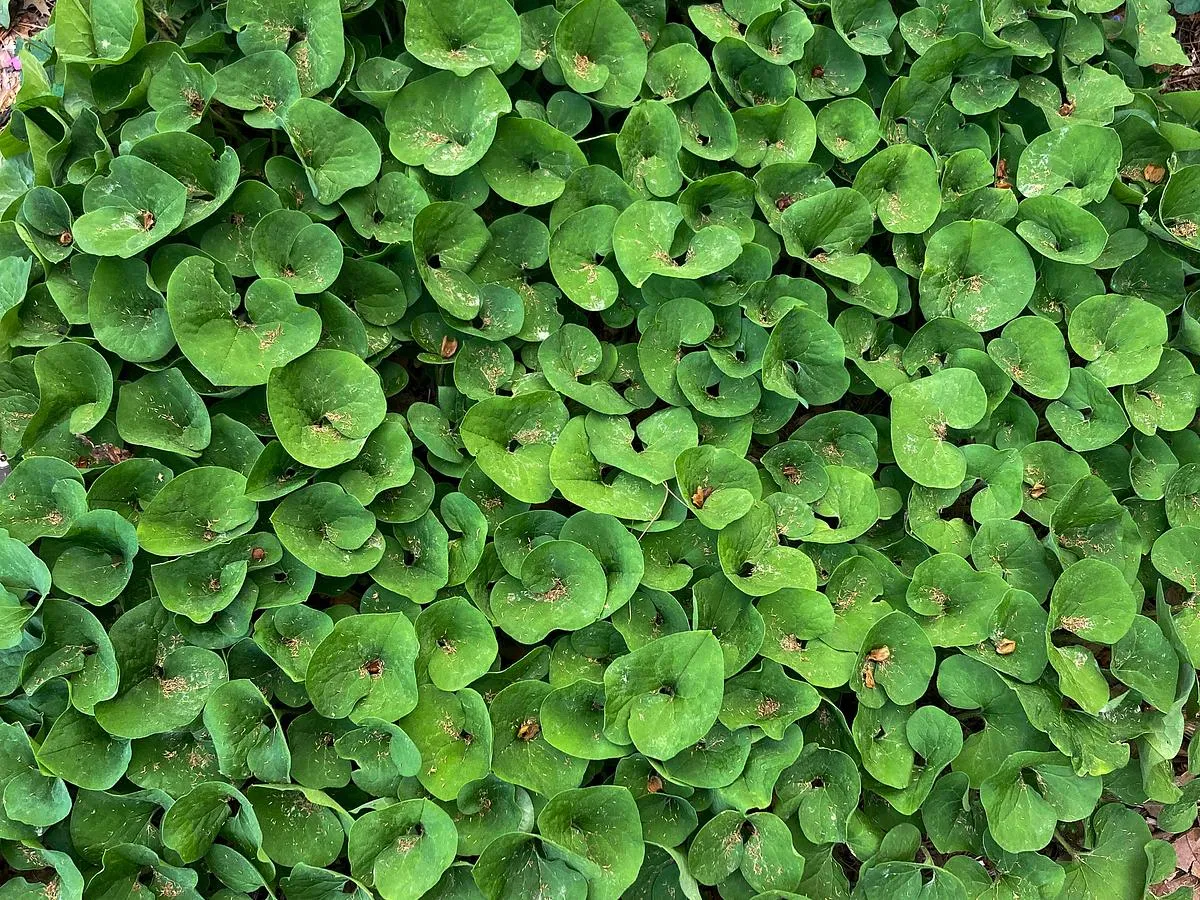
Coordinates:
(880,654)
(1002,174)
(875,658)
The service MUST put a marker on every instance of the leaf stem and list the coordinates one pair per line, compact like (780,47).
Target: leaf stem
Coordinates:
(1071,849)
(387,29)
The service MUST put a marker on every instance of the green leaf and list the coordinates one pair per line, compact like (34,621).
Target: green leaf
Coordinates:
(445,123)
(1060,230)
(324,406)
(805,359)
(1030,794)
(364,668)
(1121,337)
(923,414)
(561,585)
(716,484)
(647,241)
(164,681)
(208,176)
(820,788)
(901,184)
(512,439)
(759,846)
(600,52)
(46,497)
(337,152)
(580,477)
(462,36)
(75,386)
(1077,163)
(232,340)
(1093,601)
(1032,351)
(521,753)
(287,245)
(100,31)
(664,696)
(453,733)
(848,128)
(80,752)
(246,733)
(827,229)
(329,530)
(128,314)
(767,699)
(521,863)
(865,25)
(896,661)
(132,208)
(978,272)
(259,83)
(162,411)
(1118,860)
(201,508)
(457,643)
(601,825)
(210,811)
(529,161)
(314,39)
(301,827)
(77,649)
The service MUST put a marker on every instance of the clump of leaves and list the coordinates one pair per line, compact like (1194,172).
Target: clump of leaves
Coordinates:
(598,448)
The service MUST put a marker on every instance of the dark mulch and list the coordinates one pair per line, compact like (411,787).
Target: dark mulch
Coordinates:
(1186,78)
(26,19)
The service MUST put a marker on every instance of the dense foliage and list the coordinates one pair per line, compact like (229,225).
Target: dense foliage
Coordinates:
(598,449)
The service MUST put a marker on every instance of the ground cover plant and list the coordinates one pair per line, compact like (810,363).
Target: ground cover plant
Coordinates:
(598,449)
